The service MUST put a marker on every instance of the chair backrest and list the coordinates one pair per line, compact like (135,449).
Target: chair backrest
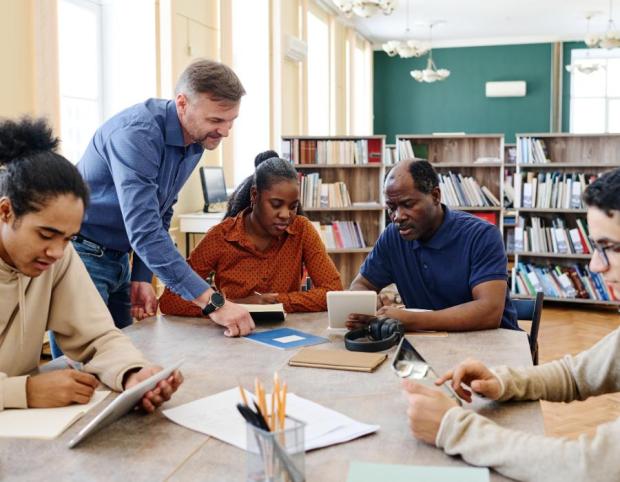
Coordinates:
(531,310)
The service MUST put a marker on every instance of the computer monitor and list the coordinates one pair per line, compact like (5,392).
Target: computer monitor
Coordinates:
(213,188)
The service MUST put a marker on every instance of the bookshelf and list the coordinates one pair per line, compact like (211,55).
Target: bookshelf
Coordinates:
(471,157)
(551,172)
(356,161)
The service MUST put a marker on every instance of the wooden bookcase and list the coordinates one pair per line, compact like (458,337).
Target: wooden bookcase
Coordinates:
(474,155)
(364,184)
(589,154)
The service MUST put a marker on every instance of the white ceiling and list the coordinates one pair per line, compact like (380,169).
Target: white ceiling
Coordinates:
(488,22)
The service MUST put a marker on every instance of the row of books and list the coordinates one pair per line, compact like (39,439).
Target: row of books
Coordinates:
(390,155)
(459,190)
(543,236)
(531,150)
(350,152)
(340,234)
(552,190)
(318,194)
(557,281)
(405,149)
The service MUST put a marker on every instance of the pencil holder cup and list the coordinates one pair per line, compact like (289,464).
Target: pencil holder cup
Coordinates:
(278,456)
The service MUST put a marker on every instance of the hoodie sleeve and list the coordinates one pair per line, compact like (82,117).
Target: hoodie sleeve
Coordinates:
(12,392)
(84,328)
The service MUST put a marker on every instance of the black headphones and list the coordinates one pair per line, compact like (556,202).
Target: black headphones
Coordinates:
(382,334)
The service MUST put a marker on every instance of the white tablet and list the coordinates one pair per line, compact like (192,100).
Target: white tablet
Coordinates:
(123,404)
(342,303)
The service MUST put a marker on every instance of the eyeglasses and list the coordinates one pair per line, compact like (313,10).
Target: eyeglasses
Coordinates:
(601,249)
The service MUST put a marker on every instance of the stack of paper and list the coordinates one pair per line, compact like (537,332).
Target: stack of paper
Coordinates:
(44,423)
(218,417)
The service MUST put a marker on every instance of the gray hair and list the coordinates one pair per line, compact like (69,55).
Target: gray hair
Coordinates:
(205,76)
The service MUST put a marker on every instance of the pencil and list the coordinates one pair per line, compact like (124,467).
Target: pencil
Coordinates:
(275,394)
(243,397)
(283,406)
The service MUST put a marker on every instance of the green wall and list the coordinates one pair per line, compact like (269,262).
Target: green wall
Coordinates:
(457,104)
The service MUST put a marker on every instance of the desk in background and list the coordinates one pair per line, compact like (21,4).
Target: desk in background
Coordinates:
(197,223)
(151,448)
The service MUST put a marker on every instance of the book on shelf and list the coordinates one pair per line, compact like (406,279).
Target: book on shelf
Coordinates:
(488,216)
(340,234)
(509,189)
(317,194)
(324,151)
(540,235)
(390,155)
(459,190)
(405,149)
(553,190)
(531,151)
(560,281)
(511,155)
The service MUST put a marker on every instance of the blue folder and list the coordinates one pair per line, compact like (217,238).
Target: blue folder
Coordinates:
(278,338)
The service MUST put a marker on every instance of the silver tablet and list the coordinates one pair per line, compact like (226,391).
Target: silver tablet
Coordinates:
(123,404)
(342,303)
(408,363)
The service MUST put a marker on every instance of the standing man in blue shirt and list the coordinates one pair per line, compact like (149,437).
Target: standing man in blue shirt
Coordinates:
(135,165)
(442,260)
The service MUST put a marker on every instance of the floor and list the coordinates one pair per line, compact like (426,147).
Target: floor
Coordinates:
(569,330)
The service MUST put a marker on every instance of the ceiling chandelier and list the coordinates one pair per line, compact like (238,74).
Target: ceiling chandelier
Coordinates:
(407,48)
(610,39)
(585,65)
(365,8)
(431,73)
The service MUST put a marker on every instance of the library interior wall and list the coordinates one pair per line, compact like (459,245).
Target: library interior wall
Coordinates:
(458,104)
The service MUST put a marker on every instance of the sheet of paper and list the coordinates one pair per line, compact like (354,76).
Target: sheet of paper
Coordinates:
(367,472)
(289,339)
(218,417)
(44,423)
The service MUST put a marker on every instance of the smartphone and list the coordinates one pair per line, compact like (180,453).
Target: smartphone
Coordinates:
(408,363)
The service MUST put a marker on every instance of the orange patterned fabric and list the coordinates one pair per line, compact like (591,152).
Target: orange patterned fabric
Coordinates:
(240,269)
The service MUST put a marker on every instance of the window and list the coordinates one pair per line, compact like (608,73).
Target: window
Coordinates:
(250,40)
(318,73)
(595,97)
(80,60)
(361,122)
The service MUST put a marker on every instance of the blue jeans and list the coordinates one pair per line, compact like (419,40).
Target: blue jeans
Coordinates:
(110,272)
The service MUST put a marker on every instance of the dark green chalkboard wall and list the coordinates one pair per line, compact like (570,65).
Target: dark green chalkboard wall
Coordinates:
(458,104)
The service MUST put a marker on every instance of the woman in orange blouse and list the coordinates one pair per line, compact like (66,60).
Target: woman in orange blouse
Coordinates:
(258,251)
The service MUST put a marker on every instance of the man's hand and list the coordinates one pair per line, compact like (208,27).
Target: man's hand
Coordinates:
(256,299)
(388,298)
(358,320)
(236,319)
(60,388)
(391,312)
(426,410)
(475,375)
(161,393)
(143,300)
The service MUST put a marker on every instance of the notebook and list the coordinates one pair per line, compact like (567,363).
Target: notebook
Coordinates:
(45,423)
(285,338)
(337,359)
(367,472)
(265,313)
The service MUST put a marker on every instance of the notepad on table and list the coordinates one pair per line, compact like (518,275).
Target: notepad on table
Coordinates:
(265,313)
(45,423)
(337,359)
(285,338)
(368,472)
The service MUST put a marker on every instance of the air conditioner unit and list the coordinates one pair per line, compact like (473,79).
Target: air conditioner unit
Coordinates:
(513,88)
(295,49)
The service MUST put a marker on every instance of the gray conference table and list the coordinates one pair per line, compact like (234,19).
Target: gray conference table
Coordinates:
(150,447)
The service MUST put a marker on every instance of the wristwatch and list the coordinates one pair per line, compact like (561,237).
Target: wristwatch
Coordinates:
(215,303)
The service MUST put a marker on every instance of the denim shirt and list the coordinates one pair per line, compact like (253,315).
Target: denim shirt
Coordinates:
(135,165)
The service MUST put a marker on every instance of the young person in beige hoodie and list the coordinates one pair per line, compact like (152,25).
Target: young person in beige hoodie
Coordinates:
(436,419)
(44,285)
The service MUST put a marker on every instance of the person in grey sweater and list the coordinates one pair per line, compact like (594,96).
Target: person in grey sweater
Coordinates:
(434,418)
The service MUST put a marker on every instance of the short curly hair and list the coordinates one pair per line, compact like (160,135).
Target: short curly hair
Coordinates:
(604,193)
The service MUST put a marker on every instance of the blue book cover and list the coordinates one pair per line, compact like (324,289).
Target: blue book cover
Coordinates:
(286,338)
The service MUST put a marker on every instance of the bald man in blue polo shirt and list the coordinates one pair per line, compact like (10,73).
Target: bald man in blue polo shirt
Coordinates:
(446,261)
